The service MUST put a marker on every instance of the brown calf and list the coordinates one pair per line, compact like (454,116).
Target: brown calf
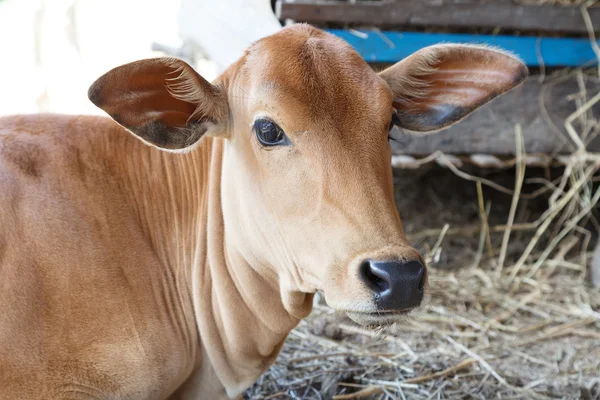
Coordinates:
(134,273)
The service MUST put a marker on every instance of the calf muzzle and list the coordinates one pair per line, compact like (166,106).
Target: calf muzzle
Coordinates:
(396,285)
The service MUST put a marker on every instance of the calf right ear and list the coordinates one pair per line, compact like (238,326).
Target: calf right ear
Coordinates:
(439,85)
(163,101)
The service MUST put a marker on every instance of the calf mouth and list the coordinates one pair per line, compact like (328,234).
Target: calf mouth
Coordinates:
(379,319)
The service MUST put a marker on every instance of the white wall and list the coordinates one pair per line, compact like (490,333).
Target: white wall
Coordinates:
(225,28)
(52,50)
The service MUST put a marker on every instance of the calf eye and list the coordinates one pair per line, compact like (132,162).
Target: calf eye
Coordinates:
(269,133)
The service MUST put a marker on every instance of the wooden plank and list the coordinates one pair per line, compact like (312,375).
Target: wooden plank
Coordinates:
(441,13)
(390,47)
(490,130)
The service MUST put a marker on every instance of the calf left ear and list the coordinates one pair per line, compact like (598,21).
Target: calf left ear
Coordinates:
(163,101)
(439,85)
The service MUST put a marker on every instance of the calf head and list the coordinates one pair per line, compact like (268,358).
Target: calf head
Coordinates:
(306,183)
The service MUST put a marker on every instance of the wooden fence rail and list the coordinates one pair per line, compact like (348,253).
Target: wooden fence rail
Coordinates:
(442,13)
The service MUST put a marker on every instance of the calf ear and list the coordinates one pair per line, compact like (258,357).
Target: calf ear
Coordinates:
(163,101)
(440,85)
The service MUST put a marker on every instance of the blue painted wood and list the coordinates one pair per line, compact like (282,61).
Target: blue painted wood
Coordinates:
(389,47)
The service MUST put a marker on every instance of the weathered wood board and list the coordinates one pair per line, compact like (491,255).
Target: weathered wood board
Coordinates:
(491,129)
(442,13)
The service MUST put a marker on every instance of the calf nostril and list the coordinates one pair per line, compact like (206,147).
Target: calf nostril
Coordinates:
(396,285)
(369,276)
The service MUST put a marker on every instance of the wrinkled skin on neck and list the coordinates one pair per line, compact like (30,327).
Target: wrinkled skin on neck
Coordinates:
(233,306)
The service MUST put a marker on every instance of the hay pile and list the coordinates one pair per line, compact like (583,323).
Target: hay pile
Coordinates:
(514,315)
(489,333)
(480,340)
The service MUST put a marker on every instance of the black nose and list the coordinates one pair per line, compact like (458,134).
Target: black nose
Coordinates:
(396,285)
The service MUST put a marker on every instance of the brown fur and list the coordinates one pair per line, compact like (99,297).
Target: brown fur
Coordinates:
(128,272)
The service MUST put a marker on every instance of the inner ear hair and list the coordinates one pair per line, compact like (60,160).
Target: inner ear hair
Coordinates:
(408,77)
(163,101)
(183,83)
(440,85)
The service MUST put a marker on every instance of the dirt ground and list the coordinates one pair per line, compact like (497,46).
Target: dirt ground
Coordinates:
(487,333)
